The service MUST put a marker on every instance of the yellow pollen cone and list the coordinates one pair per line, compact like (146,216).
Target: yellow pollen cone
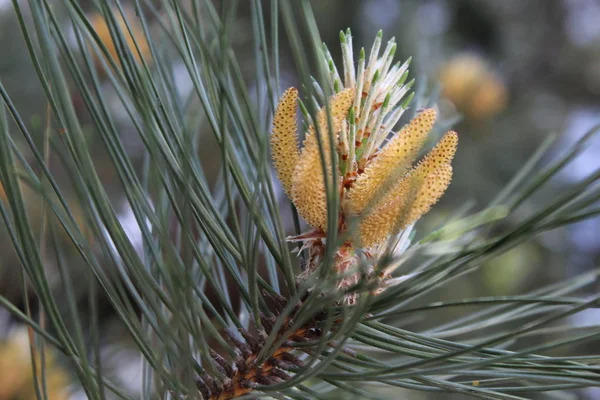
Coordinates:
(284,140)
(375,227)
(411,199)
(432,189)
(441,154)
(308,180)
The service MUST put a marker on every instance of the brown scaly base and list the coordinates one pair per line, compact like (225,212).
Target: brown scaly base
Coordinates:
(245,374)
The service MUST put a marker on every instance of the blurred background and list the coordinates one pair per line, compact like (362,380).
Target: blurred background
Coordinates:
(510,72)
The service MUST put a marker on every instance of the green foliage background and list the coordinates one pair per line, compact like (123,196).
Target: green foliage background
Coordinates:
(179,145)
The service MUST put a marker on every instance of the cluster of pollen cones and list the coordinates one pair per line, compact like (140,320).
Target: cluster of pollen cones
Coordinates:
(379,195)
(349,151)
